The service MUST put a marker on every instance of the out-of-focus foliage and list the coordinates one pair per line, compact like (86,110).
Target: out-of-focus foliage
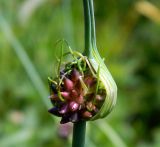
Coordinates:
(128,38)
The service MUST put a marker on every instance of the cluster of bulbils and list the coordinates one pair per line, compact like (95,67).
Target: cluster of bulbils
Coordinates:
(77,94)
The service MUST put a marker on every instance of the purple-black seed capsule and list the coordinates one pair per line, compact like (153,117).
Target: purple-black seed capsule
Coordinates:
(54,111)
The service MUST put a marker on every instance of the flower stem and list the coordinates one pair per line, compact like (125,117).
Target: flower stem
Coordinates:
(79,130)
(89,25)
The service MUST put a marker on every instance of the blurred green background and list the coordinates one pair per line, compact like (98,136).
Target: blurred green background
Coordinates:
(128,37)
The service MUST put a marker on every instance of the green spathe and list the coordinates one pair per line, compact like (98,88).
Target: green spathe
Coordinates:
(110,87)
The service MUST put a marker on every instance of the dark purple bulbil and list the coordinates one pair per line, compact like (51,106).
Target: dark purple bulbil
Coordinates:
(54,111)
(73,106)
(64,109)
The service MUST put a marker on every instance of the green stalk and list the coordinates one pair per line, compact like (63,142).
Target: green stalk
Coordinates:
(87,27)
(90,33)
(79,131)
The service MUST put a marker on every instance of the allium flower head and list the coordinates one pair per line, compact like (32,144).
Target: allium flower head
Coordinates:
(77,93)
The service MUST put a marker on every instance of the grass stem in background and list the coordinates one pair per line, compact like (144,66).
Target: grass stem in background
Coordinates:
(25,60)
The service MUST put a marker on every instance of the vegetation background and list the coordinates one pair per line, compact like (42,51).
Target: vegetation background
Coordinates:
(128,37)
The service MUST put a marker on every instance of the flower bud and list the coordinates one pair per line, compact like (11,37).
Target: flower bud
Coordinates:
(74,93)
(87,114)
(73,106)
(63,109)
(89,81)
(75,75)
(65,95)
(78,87)
(68,84)
(90,106)
(79,99)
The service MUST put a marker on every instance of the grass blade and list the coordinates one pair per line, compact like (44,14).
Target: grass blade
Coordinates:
(24,58)
(110,133)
